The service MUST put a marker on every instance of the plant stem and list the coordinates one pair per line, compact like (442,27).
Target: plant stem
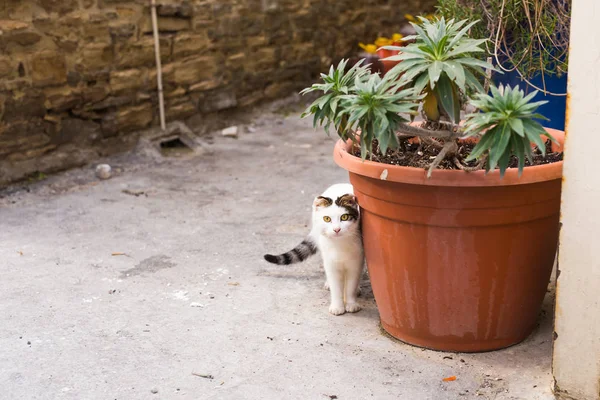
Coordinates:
(466,168)
(449,147)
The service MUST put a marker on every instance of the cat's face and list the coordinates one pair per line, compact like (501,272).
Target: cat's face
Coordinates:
(336,218)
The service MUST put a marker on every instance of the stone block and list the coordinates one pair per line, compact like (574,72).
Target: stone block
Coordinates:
(278,29)
(256,41)
(192,71)
(73,78)
(66,31)
(132,12)
(180,108)
(251,25)
(206,85)
(299,52)
(63,98)
(229,28)
(2,105)
(95,94)
(96,57)
(96,32)
(235,60)
(59,6)
(29,154)
(166,24)
(128,79)
(133,54)
(181,10)
(122,31)
(134,118)
(22,134)
(6,67)
(14,84)
(190,44)
(75,130)
(111,102)
(176,93)
(9,26)
(263,58)
(20,37)
(24,105)
(108,3)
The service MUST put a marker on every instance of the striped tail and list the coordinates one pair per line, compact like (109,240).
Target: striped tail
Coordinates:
(298,254)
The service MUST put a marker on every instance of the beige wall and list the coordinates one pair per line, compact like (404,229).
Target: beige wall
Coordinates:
(577,325)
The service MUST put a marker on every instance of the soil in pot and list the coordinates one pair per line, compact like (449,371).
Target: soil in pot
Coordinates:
(411,153)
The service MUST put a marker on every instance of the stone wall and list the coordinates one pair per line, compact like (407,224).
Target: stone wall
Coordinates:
(78,77)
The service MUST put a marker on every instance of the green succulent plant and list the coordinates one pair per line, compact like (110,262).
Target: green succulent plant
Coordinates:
(507,125)
(438,72)
(375,106)
(336,83)
(440,64)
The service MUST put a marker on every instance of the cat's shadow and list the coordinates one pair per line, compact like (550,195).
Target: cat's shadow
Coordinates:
(318,277)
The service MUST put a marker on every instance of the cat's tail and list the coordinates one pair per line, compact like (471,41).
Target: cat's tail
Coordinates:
(307,248)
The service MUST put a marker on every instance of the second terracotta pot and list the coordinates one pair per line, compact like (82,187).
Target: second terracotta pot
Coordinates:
(459,262)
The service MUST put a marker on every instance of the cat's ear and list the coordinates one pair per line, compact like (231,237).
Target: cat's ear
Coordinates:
(322,201)
(347,200)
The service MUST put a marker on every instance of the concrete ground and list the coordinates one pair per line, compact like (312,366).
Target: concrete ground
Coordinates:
(151,285)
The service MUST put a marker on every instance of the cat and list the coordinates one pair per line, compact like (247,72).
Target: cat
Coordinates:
(336,233)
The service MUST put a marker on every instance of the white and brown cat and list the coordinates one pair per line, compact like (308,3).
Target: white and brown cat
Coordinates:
(336,234)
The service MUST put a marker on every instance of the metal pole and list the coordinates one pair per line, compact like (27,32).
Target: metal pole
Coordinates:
(161,101)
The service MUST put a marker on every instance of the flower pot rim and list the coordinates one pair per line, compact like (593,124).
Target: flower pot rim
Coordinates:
(440,177)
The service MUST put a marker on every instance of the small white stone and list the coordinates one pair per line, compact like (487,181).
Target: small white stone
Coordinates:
(232,131)
(196,305)
(383,175)
(103,171)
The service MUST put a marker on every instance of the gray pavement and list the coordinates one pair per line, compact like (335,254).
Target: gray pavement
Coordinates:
(151,285)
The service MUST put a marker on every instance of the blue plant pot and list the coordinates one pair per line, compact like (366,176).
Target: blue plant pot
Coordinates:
(556,107)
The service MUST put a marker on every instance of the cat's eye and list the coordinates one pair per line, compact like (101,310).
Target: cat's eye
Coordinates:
(345,217)
(326,219)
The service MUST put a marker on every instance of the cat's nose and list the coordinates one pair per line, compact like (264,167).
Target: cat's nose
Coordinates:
(337,230)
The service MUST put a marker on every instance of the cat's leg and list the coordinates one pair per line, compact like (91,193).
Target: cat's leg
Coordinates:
(353,274)
(363,271)
(335,278)
(326,283)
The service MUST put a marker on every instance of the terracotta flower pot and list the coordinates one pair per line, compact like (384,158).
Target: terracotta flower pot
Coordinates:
(387,64)
(459,262)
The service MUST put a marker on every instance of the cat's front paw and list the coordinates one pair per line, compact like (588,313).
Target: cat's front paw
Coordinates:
(336,310)
(353,307)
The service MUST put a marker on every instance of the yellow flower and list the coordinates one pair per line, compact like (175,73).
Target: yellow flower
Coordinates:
(430,17)
(382,41)
(369,48)
(396,37)
(409,17)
